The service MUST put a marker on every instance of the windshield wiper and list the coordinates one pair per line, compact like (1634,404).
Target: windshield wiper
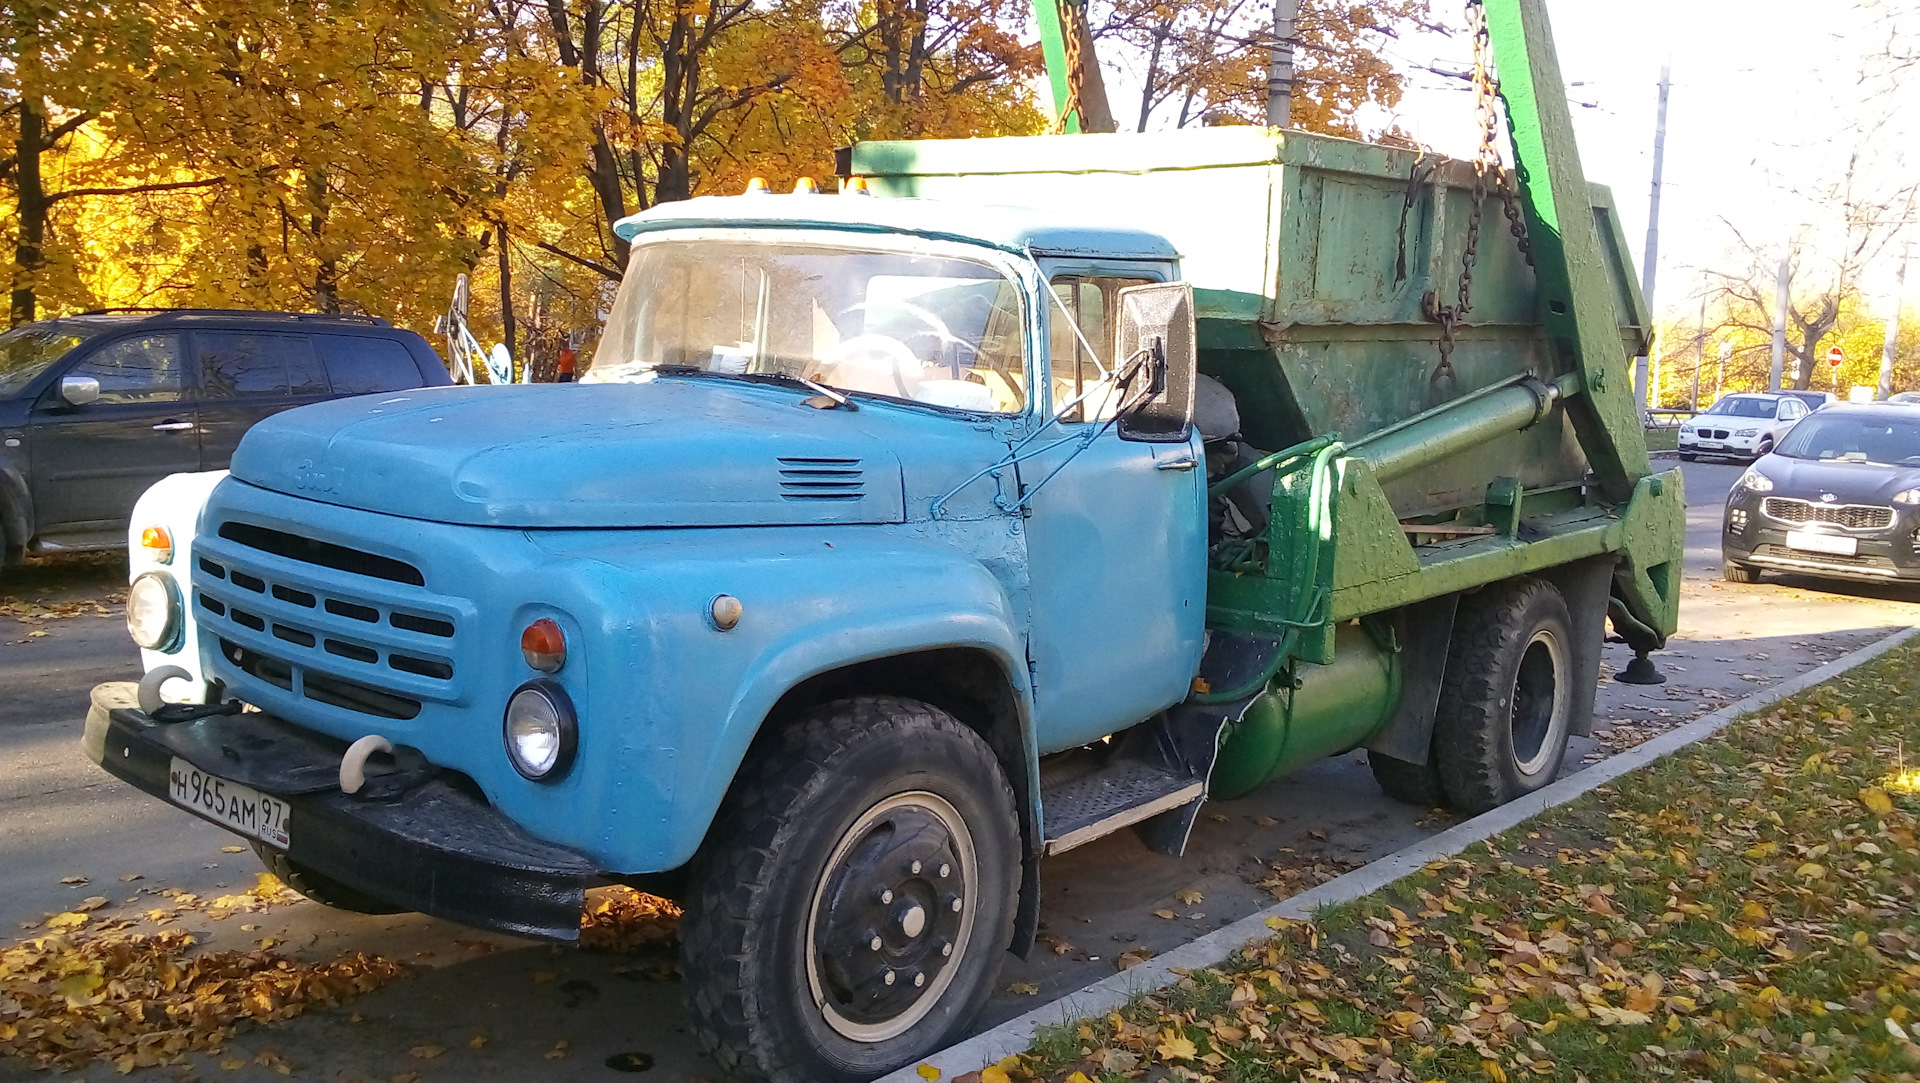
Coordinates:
(834,398)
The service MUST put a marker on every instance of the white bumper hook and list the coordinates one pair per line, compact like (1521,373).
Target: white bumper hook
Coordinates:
(353,766)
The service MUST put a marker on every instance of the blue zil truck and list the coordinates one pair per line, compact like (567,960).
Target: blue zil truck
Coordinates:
(896,541)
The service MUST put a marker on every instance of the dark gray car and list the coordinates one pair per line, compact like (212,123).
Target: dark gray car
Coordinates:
(1839,497)
(95,408)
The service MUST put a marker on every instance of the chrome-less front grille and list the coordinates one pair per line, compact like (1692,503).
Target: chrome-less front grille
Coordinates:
(1849,516)
(368,641)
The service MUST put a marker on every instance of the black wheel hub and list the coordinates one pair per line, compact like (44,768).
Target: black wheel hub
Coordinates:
(890,916)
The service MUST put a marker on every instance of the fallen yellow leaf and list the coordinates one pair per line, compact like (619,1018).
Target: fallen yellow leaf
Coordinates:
(927,1072)
(1177,1048)
(1876,799)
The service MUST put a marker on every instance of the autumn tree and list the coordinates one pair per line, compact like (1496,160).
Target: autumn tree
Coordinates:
(1206,61)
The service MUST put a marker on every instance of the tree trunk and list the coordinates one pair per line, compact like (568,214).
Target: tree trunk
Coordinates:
(680,90)
(326,277)
(506,290)
(1153,73)
(28,256)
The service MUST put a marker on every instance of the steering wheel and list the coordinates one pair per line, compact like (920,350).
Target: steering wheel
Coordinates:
(897,357)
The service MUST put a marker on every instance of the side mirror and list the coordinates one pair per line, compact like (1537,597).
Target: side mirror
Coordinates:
(79,390)
(1155,354)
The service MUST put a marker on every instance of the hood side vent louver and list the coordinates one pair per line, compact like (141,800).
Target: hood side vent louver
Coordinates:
(821,479)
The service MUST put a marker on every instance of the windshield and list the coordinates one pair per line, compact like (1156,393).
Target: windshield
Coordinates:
(1889,441)
(25,352)
(1744,407)
(927,328)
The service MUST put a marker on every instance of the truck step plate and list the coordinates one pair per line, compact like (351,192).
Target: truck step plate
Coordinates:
(1116,796)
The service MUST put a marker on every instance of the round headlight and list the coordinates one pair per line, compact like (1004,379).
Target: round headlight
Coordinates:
(153,612)
(540,730)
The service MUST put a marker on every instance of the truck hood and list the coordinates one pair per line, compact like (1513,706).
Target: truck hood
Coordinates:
(664,453)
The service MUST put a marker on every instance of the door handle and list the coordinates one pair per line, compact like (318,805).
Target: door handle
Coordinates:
(173,426)
(1187,463)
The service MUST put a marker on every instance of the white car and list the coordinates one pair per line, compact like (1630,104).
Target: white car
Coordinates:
(1744,426)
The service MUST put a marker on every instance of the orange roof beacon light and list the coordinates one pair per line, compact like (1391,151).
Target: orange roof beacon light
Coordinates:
(758,187)
(805,187)
(855,186)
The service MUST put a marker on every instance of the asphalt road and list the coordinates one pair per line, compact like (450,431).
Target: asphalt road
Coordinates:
(61,818)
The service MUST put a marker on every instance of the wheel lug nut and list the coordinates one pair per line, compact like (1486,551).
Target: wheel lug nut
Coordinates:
(944,870)
(919,980)
(874,944)
(955,904)
(890,977)
(946,949)
(914,868)
(886,896)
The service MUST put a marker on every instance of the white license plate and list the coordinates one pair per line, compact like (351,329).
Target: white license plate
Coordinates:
(225,802)
(1710,445)
(1812,542)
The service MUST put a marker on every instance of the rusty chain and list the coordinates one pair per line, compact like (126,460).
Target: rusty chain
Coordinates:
(1070,42)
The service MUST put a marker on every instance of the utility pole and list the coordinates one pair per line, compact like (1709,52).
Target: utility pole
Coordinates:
(1280,64)
(1782,296)
(1652,259)
(1893,325)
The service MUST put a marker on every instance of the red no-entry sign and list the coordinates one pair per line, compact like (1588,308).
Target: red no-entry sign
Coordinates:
(1835,356)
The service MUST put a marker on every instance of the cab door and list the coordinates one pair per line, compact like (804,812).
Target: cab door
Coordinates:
(1116,538)
(91,462)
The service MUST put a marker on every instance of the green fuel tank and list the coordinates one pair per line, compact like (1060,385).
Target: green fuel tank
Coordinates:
(1309,712)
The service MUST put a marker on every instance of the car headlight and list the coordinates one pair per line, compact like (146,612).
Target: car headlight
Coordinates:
(153,612)
(1747,432)
(1755,481)
(540,730)
(1911,496)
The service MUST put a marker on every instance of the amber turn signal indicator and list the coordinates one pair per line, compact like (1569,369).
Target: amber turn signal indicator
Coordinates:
(544,646)
(157,543)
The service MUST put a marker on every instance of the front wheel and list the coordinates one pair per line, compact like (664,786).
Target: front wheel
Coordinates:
(1739,573)
(321,889)
(1506,704)
(849,909)
(1765,449)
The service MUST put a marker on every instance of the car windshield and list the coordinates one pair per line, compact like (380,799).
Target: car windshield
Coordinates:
(1744,406)
(25,352)
(1889,441)
(927,328)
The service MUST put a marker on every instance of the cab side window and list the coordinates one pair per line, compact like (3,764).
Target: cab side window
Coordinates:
(1076,377)
(132,370)
(251,364)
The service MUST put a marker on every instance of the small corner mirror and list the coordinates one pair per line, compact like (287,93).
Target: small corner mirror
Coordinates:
(1156,341)
(79,390)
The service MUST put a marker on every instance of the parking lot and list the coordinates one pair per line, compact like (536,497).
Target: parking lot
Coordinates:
(492,1007)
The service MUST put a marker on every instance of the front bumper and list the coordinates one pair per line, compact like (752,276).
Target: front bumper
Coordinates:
(429,845)
(1891,555)
(1735,447)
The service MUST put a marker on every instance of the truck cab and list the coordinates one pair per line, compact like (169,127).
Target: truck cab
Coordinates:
(862,509)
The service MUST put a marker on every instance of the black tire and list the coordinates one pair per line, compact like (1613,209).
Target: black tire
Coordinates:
(1413,783)
(1506,704)
(1765,448)
(1688,456)
(321,889)
(1739,573)
(842,833)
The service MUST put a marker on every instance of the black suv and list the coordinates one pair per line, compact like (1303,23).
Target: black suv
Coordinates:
(96,407)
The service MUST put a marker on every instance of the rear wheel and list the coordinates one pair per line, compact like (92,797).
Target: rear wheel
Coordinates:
(1739,573)
(321,889)
(1688,456)
(1506,705)
(849,909)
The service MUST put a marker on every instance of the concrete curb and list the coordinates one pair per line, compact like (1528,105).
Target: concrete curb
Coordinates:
(1015,1035)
